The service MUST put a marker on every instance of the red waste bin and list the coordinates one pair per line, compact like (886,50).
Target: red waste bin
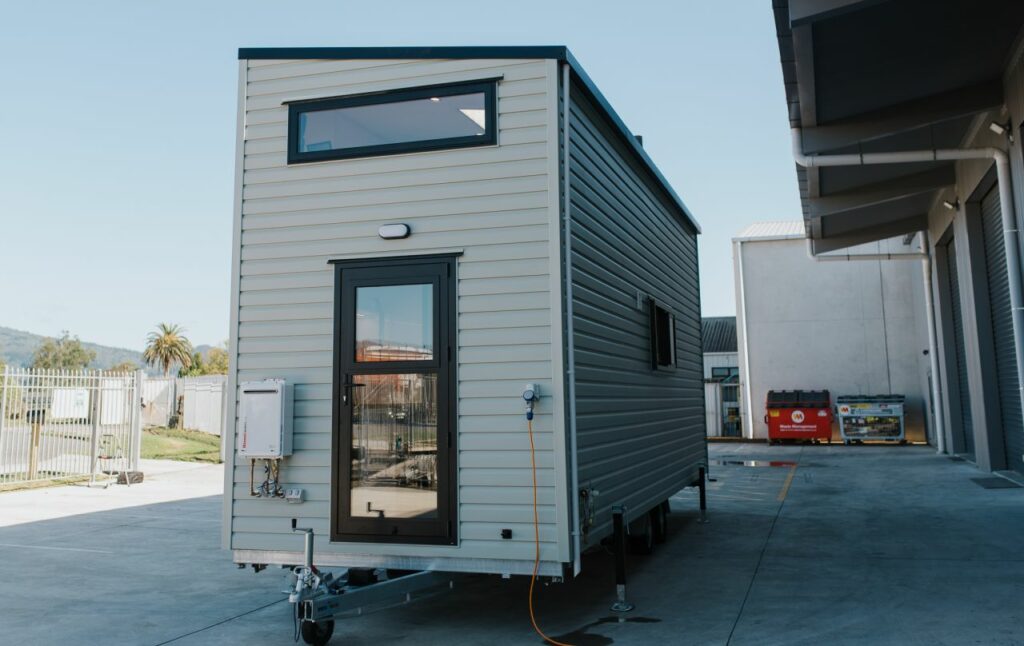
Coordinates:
(798,415)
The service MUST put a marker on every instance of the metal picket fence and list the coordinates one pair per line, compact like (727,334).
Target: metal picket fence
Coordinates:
(59,424)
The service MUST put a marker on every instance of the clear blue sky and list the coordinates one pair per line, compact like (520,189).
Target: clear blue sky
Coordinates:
(117,131)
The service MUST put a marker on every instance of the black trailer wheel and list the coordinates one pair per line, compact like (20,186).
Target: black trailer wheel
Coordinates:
(641,535)
(317,633)
(659,522)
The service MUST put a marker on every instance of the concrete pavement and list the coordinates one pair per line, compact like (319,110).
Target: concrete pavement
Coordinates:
(840,545)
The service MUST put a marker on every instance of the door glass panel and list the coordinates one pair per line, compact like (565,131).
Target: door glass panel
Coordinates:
(394,446)
(395,323)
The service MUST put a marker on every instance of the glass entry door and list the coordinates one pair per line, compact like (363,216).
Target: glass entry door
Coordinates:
(394,466)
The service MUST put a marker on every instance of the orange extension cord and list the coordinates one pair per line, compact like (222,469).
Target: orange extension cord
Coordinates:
(536,541)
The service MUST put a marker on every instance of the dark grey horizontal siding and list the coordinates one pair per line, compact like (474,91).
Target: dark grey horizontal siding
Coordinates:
(640,432)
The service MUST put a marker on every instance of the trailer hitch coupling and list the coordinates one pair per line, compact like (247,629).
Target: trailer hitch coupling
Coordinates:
(320,597)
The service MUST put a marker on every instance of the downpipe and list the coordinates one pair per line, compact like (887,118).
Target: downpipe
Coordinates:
(748,427)
(933,355)
(1010,232)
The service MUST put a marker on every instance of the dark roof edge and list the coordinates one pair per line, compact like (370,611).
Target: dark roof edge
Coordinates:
(556,52)
(357,53)
(629,138)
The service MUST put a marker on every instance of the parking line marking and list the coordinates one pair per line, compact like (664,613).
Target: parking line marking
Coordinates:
(61,549)
(785,485)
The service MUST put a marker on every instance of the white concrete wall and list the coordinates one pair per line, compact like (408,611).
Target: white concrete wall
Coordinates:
(848,327)
(719,360)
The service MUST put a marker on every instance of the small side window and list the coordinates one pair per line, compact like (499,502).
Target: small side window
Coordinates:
(725,375)
(663,337)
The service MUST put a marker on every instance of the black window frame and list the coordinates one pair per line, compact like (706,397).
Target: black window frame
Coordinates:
(440,270)
(489,88)
(654,309)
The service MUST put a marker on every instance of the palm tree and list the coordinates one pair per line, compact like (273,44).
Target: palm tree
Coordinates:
(167,346)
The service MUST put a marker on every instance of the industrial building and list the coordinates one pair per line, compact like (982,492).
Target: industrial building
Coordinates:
(850,323)
(721,377)
(905,119)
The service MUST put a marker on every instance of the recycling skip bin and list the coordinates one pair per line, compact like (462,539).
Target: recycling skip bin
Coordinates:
(871,417)
(798,415)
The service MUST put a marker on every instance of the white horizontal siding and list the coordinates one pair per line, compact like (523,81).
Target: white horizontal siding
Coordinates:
(494,203)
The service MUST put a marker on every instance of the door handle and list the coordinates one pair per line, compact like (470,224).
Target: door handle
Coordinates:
(346,388)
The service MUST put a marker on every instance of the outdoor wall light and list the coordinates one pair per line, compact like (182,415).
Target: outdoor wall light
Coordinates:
(1001,129)
(394,231)
(952,206)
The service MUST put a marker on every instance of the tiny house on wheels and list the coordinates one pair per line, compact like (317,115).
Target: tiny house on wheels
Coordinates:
(455,270)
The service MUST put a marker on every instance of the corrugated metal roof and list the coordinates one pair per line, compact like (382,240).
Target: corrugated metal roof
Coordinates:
(775,230)
(719,333)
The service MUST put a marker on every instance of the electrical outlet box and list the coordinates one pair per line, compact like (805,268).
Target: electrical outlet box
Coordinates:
(265,422)
(531,392)
(294,495)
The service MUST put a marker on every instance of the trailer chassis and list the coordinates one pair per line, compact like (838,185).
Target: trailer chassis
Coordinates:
(320,597)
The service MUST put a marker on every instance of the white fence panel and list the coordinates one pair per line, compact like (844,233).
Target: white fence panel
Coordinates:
(203,403)
(114,402)
(159,400)
(69,403)
(713,408)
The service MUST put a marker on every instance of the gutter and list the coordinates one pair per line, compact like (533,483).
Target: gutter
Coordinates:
(1010,232)
(846,257)
(748,428)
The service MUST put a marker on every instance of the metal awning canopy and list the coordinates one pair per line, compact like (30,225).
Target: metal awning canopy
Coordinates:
(880,76)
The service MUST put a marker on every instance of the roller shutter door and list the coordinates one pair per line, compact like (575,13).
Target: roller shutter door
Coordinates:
(1002,329)
(964,395)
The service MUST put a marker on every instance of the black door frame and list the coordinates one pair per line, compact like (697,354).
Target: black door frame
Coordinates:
(961,438)
(439,270)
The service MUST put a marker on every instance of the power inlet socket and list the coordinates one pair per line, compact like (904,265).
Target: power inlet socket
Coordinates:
(294,495)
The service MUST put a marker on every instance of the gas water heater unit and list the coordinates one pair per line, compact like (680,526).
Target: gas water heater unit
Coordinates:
(265,420)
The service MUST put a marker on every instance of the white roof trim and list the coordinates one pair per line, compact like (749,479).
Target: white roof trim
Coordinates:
(774,230)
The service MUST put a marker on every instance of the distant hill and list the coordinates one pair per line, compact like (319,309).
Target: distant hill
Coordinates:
(17,347)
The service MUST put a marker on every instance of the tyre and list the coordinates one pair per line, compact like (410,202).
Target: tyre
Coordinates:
(659,522)
(317,634)
(641,535)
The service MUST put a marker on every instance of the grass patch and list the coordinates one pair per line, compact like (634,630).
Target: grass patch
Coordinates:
(39,484)
(179,444)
